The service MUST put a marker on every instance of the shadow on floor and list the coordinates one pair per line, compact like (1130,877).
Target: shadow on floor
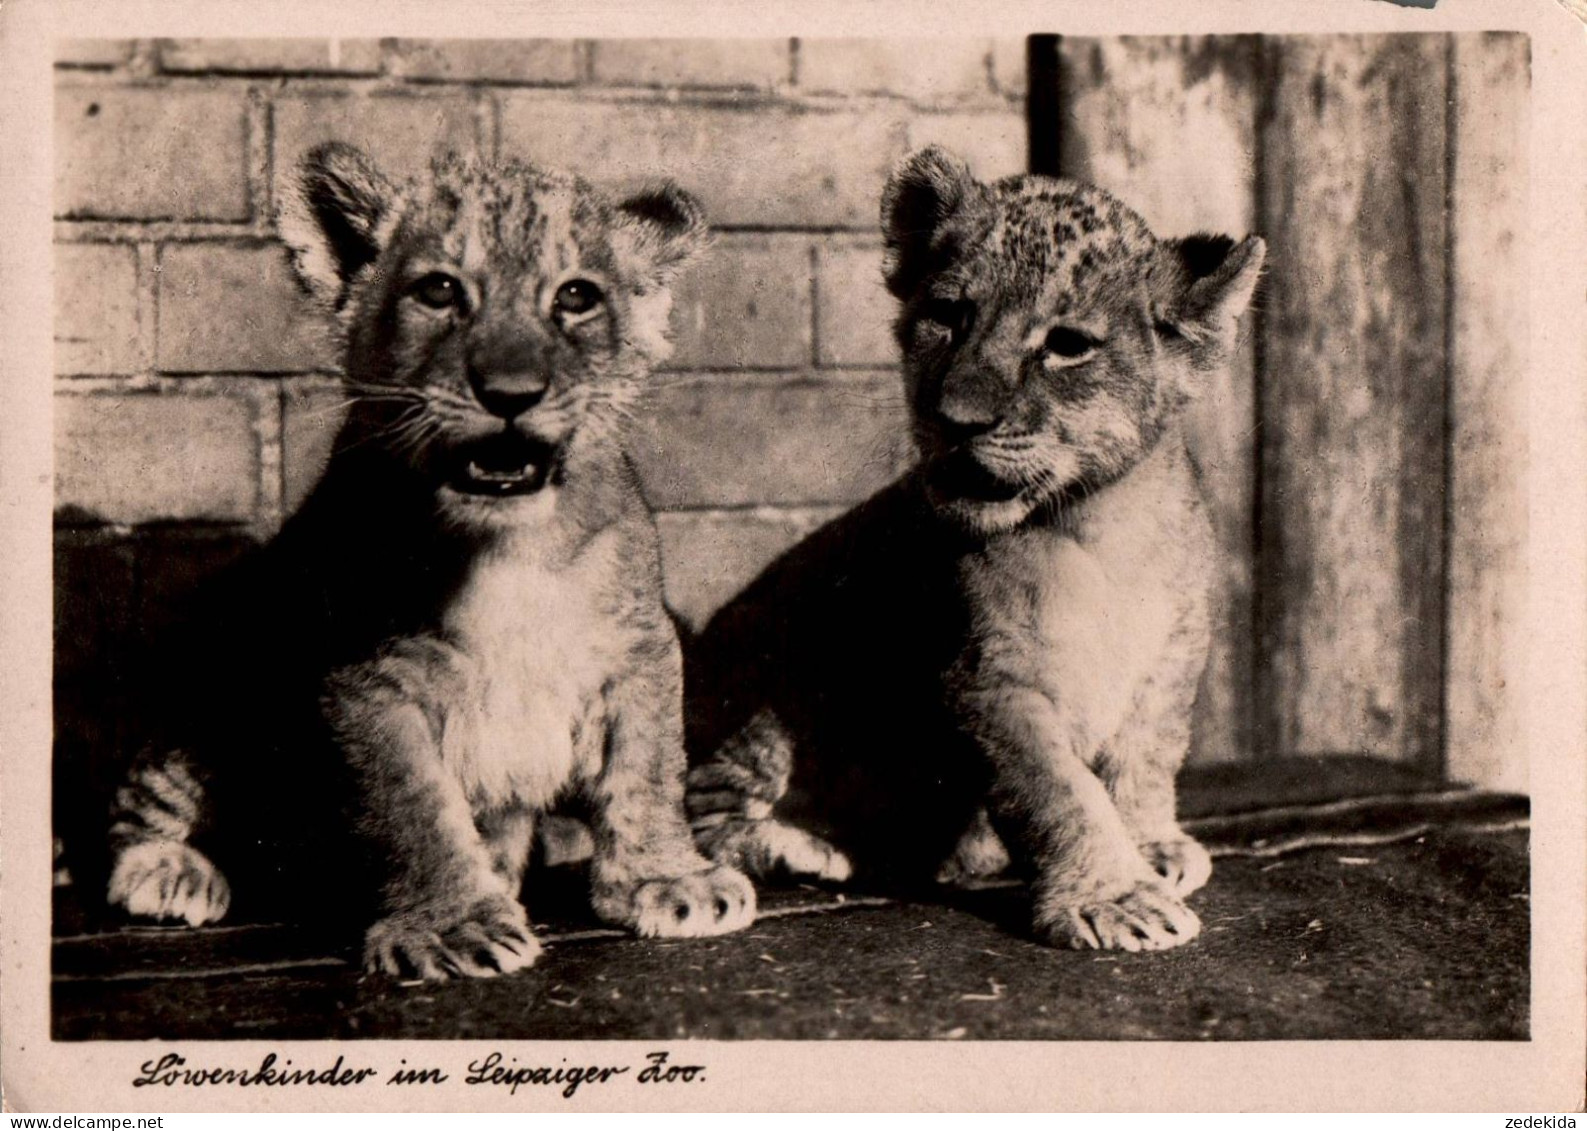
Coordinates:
(1405,915)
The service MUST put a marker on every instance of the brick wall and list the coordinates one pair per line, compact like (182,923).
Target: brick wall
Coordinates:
(196,398)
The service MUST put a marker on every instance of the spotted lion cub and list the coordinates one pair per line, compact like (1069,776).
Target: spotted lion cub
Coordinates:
(464,623)
(1023,621)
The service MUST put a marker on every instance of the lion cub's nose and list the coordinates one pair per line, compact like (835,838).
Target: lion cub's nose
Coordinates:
(508,395)
(957,428)
(966,405)
(957,419)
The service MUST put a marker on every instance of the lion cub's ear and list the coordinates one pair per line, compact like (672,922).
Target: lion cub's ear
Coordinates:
(925,190)
(657,233)
(330,218)
(663,228)
(1217,278)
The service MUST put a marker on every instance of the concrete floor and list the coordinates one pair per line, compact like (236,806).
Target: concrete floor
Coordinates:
(1425,937)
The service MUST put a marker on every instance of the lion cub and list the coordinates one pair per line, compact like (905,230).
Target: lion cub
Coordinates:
(1022,622)
(472,596)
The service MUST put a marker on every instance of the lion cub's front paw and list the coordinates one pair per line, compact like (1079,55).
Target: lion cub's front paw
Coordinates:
(713,902)
(165,879)
(1140,915)
(491,937)
(1182,862)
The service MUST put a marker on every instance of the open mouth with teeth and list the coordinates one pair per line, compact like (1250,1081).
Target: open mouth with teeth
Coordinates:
(504,464)
(959,476)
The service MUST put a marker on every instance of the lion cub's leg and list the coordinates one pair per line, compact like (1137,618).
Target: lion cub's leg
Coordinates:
(1143,790)
(730,798)
(1092,886)
(766,846)
(508,833)
(449,910)
(156,872)
(646,873)
(1139,765)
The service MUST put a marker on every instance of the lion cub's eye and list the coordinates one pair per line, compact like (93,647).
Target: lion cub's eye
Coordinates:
(577,296)
(438,291)
(954,315)
(1066,344)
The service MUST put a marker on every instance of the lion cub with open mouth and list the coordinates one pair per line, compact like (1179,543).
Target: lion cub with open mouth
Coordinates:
(473,593)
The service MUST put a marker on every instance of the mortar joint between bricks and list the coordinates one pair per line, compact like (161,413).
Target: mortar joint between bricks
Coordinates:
(789,81)
(101,385)
(148,305)
(815,305)
(144,62)
(490,130)
(851,377)
(390,54)
(487,129)
(267,171)
(261,140)
(746,100)
(269,427)
(71,67)
(352,87)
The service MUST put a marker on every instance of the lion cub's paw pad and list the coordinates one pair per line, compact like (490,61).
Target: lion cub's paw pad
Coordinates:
(165,879)
(1186,865)
(705,903)
(487,940)
(1146,917)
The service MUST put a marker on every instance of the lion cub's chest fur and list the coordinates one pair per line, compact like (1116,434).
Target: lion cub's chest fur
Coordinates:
(1090,611)
(540,645)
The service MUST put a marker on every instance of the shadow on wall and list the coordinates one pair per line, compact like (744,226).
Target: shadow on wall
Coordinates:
(117,597)
(844,638)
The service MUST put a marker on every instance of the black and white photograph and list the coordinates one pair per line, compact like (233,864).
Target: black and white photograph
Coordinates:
(998,536)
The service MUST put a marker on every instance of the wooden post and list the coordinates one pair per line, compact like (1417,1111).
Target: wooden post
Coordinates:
(1350,568)
(1488,353)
